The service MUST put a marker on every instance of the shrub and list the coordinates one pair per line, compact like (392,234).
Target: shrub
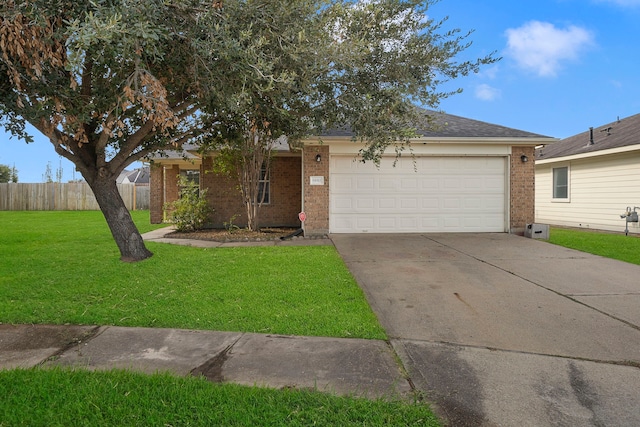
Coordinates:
(191,211)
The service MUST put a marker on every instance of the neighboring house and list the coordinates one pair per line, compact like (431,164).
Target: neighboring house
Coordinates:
(139,177)
(588,180)
(467,176)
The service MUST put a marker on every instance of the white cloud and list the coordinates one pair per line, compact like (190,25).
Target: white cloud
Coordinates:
(487,93)
(490,73)
(542,48)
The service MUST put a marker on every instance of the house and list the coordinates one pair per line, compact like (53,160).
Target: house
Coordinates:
(465,176)
(588,180)
(139,177)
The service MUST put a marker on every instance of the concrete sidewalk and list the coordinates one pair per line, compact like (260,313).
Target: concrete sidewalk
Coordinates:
(357,367)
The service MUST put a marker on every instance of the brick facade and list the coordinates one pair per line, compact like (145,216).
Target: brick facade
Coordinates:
(224,196)
(522,183)
(287,182)
(171,177)
(285,195)
(316,197)
(156,190)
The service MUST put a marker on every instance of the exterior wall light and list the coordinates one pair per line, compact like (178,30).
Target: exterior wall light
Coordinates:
(524,158)
(318,158)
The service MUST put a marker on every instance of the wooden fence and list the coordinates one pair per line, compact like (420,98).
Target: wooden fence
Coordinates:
(65,197)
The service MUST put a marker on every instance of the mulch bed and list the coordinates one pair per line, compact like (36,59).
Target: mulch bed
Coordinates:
(239,235)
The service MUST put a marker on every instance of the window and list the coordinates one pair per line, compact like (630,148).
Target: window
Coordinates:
(264,187)
(561,183)
(192,180)
(192,176)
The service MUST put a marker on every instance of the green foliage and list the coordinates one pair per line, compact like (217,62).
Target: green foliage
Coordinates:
(230,226)
(63,397)
(110,82)
(288,290)
(610,245)
(191,211)
(8,174)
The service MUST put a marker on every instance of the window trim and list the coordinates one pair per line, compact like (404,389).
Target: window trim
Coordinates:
(189,174)
(264,181)
(553,184)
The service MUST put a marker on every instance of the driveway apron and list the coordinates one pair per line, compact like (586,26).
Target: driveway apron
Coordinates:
(501,330)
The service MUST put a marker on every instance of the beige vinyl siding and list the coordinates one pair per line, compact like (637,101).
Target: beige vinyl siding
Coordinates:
(600,189)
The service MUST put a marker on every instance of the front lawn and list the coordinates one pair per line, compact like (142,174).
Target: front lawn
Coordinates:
(610,245)
(63,267)
(58,397)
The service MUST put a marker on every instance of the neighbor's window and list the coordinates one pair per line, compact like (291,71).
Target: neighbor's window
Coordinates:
(264,187)
(561,183)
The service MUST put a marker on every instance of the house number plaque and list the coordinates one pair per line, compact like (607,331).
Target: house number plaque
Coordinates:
(316,180)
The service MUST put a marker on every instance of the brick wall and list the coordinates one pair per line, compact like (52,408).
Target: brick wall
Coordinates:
(156,198)
(316,197)
(171,177)
(285,184)
(522,189)
(164,189)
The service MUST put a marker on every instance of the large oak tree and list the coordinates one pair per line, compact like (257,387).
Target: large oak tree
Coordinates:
(361,64)
(111,81)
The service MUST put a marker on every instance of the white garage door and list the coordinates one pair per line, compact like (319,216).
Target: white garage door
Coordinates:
(430,194)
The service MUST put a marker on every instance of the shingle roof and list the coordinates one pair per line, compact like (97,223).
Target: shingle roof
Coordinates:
(136,176)
(621,133)
(450,126)
(446,126)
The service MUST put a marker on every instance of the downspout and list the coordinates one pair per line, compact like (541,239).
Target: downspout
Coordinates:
(302,226)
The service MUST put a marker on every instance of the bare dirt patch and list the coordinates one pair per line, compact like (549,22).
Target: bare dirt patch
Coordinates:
(239,235)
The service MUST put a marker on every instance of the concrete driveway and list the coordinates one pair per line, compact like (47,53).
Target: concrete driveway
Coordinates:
(501,330)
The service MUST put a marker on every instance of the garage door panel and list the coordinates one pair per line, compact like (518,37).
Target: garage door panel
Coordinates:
(430,184)
(494,203)
(388,203)
(387,184)
(494,183)
(445,194)
(365,204)
(342,204)
(365,183)
(387,223)
(430,203)
(342,184)
(365,222)
(408,203)
(452,184)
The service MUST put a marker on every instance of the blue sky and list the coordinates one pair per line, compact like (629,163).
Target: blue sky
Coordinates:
(566,65)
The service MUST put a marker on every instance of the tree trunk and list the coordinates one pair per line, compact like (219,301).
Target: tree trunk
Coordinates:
(124,231)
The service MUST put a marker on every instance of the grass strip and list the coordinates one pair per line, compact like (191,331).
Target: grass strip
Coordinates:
(609,245)
(63,267)
(61,397)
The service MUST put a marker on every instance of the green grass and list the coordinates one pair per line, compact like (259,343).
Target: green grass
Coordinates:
(63,267)
(80,398)
(610,245)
